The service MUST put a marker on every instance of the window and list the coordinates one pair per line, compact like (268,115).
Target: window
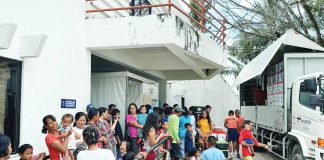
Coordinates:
(10,80)
(304,97)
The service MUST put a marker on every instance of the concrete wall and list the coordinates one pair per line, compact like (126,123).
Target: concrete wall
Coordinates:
(61,71)
(130,32)
(215,92)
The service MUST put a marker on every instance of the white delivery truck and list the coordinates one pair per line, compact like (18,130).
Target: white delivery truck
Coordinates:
(282,92)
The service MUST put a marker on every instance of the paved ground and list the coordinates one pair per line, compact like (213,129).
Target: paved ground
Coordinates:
(264,156)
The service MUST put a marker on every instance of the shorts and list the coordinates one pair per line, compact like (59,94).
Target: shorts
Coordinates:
(232,134)
(248,141)
(175,151)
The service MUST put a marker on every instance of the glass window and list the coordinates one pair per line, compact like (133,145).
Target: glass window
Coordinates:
(304,96)
(10,80)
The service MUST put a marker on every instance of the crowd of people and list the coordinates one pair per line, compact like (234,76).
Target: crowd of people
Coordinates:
(151,133)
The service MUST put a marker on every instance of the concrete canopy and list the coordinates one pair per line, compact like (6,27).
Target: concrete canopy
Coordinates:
(162,45)
(259,63)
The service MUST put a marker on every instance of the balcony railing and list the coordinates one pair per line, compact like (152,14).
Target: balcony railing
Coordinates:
(206,17)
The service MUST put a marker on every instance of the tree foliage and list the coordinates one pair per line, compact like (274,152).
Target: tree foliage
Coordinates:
(257,24)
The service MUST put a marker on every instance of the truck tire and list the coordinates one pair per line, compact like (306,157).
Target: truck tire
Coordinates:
(297,153)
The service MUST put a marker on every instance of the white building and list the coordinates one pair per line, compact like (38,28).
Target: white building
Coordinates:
(53,50)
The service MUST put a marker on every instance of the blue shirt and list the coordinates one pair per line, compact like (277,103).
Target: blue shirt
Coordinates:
(182,129)
(188,142)
(141,118)
(212,154)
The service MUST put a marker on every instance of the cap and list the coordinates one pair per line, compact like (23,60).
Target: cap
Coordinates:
(89,106)
(178,109)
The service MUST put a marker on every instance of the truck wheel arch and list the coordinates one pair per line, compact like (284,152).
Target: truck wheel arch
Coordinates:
(297,139)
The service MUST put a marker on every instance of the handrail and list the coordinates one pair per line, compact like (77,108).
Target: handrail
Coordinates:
(214,31)
(153,147)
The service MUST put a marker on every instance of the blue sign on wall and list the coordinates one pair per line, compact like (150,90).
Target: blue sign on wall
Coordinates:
(68,103)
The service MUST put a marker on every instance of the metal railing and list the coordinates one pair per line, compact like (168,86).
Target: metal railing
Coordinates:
(154,147)
(207,15)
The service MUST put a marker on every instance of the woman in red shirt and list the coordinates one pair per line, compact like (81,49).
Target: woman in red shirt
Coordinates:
(56,145)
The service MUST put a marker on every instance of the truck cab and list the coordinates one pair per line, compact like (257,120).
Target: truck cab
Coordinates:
(307,116)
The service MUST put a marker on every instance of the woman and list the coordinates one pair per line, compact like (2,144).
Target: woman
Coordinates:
(91,136)
(106,130)
(93,116)
(118,130)
(5,147)
(125,151)
(132,124)
(56,145)
(79,125)
(150,131)
(184,118)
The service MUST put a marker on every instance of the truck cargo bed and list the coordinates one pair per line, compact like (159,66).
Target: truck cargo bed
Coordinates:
(268,117)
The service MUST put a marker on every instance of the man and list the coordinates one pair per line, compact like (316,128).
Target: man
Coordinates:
(240,127)
(212,153)
(231,124)
(245,146)
(111,107)
(208,109)
(174,133)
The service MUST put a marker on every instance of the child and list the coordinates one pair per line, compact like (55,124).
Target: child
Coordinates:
(247,138)
(188,139)
(205,126)
(141,118)
(167,145)
(194,154)
(26,153)
(125,151)
(64,127)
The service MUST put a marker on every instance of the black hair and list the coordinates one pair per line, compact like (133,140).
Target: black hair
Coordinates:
(110,106)
(208,117)
(148,107)
(192,152)
(156,109)
(114,112)
(78,116)
(4,144)
(187,125)
(68,115)
(231,112)
(142,106)
(24,147)
(165,105)
(151,122)
(168,110)
(90,135)
(247,122)
(212,140)
(191,108)
(102,110)
(175,105)
(51,117)
(128,146)
(128,156)
(186,112)
(92,113)
(132,104)
(208,106)
(238,111)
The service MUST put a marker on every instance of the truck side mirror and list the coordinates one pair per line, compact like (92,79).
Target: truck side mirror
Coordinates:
(310,85)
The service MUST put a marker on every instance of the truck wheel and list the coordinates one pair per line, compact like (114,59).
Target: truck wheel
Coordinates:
(297,153)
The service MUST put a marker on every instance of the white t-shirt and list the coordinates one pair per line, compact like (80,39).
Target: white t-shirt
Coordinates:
(79,131)
(99,154)
(193,122)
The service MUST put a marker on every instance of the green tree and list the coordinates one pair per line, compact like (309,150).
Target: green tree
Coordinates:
(255,26)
